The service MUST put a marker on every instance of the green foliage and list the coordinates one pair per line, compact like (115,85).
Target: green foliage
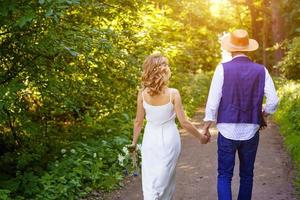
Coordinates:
(4,194)
(86,165)
(194,90)
(290,65)
(78,167)
(69,75)
(288,116)
(291,9)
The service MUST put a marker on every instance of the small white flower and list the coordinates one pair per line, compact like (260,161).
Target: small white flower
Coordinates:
(63,151)
(95,155)
(72,151)
(121,159)
(125,150)
(139,147)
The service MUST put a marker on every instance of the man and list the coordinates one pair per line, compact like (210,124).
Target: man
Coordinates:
(235,103)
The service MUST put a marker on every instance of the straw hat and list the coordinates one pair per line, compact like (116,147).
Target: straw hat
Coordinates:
(238,40)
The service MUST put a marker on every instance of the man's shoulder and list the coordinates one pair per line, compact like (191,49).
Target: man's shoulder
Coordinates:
(258,64)
(231,63)
(260,67)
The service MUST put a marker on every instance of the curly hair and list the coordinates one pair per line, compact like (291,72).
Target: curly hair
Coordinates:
(156,73)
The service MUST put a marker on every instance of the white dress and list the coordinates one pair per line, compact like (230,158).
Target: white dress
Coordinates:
(160,151)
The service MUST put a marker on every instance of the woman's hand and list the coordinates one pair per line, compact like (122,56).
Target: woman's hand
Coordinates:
(132,148)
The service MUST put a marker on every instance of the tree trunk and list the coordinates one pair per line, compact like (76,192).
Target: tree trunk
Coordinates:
(266,14)
(254,15)
(12,128)
(277,28)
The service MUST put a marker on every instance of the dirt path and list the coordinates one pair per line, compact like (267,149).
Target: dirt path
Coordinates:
(197,170)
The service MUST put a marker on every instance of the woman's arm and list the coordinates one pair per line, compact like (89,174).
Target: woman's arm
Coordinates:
(139,119)
(184,122)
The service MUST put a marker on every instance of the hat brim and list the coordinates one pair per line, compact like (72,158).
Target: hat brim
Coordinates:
(228,46)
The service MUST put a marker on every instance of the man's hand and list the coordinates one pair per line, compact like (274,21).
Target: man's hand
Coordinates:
(207,134)
(205,130)
(203,139)
(265,114)
(263,123)
(204,136)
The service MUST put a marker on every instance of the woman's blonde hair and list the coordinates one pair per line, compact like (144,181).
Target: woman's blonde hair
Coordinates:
(156,73)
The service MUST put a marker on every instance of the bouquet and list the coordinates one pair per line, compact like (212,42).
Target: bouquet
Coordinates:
(130,159)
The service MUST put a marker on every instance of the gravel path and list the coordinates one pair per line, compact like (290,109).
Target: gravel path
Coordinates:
(197,170)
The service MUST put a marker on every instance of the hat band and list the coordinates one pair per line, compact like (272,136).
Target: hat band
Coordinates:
(239,42)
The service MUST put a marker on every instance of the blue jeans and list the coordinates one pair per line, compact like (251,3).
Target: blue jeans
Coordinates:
(226,159)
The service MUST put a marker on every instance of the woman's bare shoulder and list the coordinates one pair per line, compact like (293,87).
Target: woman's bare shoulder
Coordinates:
(175,91)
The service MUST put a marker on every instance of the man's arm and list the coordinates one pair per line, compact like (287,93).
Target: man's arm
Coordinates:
(271,96)
(213,100)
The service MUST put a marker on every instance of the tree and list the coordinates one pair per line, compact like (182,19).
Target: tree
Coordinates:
(277,28)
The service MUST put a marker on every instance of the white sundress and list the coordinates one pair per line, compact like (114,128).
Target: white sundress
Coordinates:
(160,151)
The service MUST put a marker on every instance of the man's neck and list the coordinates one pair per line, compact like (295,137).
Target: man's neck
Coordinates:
(234,54)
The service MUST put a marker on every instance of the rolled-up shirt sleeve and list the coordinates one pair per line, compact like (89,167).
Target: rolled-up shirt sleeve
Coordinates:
(270,94)
(215,95)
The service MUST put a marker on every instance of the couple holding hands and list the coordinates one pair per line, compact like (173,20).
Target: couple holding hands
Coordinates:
(234,102)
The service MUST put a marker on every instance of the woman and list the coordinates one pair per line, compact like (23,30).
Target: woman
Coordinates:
(161,142)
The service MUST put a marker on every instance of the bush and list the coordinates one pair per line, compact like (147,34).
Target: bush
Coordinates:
(193,89)
(290,64)
(79,167)
(288,117)
(4,194)
(69,75)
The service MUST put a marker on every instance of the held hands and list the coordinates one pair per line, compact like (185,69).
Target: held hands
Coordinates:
(205,136)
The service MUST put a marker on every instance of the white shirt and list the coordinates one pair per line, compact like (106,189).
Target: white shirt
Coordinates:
(237,131)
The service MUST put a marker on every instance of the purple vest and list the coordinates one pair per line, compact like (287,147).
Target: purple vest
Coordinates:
(243,92)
